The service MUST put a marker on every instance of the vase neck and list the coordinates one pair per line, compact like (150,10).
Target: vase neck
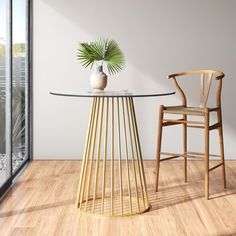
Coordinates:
(99,68)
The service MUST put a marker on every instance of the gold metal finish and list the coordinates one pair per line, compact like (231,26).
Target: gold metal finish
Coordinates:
(139,154)
(85,158)
(93,151)
(120,157)
(98,157)
(112,155)
(132,151)
(127,157)
(105,158)
(101,191)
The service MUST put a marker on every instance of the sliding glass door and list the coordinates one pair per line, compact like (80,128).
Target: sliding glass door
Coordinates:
(15,81)
(19,83)
(5,117)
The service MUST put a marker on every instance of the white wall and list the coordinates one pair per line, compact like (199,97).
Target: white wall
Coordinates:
(158,37)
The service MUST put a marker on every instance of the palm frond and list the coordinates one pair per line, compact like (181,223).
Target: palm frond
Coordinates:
(98,50)
(102,50)
(85,54)
(114,57)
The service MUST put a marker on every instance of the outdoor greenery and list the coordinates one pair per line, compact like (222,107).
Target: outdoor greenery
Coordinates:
(102,50)
(18,50)
(18,103)
(2,119)
(2,50)
(18,118)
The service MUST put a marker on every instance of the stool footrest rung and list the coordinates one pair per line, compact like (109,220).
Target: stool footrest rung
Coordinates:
(169,158)
(189,154)
(181,121)
(215,126)
(196,126)
(171,122)
(202,154)
(214,167)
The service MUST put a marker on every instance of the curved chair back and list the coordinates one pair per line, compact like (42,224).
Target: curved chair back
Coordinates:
(206,77)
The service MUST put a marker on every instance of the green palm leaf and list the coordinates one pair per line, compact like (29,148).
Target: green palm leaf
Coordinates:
(104,50)
(85,55)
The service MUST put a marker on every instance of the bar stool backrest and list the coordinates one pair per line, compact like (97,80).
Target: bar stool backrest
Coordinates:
(206,77)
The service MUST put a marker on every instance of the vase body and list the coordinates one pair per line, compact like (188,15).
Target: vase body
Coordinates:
(98,79)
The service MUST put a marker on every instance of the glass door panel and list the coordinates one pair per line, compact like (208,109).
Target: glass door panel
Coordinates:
(5,155)
(14,89)
(19,83)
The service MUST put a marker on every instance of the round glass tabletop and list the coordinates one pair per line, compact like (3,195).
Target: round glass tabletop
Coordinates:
(110,93)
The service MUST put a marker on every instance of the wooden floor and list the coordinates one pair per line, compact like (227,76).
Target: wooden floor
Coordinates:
(42,202)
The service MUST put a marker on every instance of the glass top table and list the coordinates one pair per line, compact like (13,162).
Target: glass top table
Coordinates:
(112,178)
(110,93)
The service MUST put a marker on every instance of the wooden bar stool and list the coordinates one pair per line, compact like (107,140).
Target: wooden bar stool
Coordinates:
(206,77)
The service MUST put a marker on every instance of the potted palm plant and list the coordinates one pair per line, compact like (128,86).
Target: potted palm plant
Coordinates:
(95,54)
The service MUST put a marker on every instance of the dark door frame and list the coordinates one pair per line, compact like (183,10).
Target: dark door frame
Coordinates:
(7,185)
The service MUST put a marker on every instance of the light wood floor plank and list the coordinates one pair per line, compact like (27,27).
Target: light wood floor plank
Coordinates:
(43,203)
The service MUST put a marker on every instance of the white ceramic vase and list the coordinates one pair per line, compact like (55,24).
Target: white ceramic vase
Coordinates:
(98,79)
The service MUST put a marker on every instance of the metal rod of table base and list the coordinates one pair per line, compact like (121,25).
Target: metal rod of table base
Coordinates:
(112,179)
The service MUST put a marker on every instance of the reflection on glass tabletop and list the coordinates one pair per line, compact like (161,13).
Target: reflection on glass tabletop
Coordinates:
(112,93)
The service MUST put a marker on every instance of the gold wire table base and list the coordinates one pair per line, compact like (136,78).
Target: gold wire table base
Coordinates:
(112,180)
(116,210)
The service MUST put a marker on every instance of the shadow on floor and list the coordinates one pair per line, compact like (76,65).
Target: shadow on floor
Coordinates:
(177,194)
(37,208)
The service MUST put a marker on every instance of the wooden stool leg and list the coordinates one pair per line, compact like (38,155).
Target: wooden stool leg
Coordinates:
(207,154)
(159,138)
(221,140)
(185,148)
